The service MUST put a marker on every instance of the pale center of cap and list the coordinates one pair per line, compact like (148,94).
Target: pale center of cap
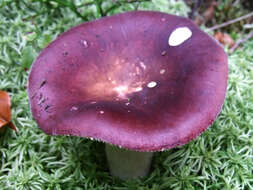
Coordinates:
(179,35)
(121,90)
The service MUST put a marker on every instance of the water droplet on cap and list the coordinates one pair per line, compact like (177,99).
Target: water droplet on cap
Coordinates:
(152,84)
(85,43)
(74,108)
(162,71)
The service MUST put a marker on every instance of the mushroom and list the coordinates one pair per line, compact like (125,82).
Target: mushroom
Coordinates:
(140,81)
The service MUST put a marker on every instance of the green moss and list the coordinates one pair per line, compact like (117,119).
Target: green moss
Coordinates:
(221,158)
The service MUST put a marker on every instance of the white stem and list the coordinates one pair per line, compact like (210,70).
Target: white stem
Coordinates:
(127,164)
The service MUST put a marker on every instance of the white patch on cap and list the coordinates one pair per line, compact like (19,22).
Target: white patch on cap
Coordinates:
(152,84)
(74,108)
(138,89)
(162,71)
(179,35)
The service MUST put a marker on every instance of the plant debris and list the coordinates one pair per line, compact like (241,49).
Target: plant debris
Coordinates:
(43,82)
(225,39)
(5,111)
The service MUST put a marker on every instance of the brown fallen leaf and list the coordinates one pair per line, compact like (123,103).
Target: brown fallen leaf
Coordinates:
(224,38)
(5,111)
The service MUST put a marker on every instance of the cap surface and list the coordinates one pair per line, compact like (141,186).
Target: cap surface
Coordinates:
(142,80)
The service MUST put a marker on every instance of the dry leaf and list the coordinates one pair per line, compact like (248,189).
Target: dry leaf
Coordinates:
(5,110)
(225,39)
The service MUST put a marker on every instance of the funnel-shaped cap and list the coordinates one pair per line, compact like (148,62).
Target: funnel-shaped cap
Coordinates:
(142,80)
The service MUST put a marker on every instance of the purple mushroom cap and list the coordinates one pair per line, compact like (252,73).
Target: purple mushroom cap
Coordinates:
(142,80)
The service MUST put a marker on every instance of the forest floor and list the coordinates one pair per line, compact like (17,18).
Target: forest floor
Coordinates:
(221,158)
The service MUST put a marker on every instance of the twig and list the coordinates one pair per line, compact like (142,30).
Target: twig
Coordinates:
(229,22)
(240,41)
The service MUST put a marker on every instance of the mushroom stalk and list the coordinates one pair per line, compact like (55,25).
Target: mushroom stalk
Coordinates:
(127,164)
